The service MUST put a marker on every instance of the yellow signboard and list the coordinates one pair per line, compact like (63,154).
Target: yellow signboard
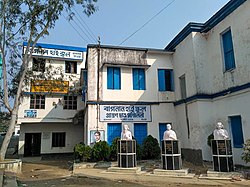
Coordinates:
(53,86)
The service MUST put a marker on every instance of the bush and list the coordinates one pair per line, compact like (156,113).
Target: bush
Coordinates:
(246,151)
(79,151)
(209,138)
(150,148)
(87,155)
(138,152)
(113,149)
(101,151)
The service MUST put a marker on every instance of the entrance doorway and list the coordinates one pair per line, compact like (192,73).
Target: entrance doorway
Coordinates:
(32,145)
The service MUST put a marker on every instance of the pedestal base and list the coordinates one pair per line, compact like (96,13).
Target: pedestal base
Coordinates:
(119,170)
(220,175)
(173,173)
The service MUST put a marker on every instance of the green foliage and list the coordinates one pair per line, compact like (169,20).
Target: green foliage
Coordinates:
(209,138)
(101,151)
(246,151)
(87,155)
(79,151)
(4,121)
(113,149)
(138,152)
(150,148)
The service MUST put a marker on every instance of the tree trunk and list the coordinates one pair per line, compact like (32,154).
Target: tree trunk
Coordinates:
(8,135)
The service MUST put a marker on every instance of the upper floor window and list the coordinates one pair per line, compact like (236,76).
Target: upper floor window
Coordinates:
(114,78)
(228,50)
(38,64)
(70,102)
(165,80)
(70,67)
(138,79)
(183,87)
(37,101)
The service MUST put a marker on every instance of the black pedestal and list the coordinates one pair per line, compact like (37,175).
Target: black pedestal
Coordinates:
(222,155)
(126,153)
(171,155)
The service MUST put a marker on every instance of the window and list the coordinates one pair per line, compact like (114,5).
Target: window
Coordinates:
(37,101)
(58,139)
(114,131)
(70,102)
(38,64)
(236,128)
(165,80)
(114,78)
(140,132)
(138,79)
(183,87)
(228,50)
(162,129)
(70,67)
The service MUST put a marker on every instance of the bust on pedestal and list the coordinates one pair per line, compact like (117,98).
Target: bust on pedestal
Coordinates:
(126,149)
(171,155)
(222,150)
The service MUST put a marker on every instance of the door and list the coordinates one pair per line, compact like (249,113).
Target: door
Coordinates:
(114,131)
(140,130)
(236,128)
(32,145)
(162,129)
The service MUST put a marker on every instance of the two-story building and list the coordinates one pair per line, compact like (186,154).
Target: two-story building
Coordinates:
(50,112)
(201,77)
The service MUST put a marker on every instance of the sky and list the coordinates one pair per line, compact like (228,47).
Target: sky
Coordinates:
(116,20)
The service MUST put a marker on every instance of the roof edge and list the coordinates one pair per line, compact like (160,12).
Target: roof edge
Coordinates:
(207,26)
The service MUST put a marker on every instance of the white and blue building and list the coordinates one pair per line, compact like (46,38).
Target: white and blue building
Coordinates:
(201,77)
(50,116)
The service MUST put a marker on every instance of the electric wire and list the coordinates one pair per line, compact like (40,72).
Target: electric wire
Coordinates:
(147,22)
(86,27)
(75,29)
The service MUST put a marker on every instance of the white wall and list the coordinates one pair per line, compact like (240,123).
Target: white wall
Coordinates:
(74,135)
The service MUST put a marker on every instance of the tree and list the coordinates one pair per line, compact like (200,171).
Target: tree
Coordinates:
(26,20)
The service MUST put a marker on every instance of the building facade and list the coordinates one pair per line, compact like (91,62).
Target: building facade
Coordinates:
(200,78)
(49,113)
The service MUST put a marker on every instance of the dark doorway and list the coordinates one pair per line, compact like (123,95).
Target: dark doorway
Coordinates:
(32,145)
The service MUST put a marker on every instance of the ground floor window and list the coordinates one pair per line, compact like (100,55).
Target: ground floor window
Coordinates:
(58,139)
(114,131)
(140,132)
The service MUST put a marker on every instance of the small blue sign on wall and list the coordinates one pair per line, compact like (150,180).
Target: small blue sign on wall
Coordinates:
(30,113)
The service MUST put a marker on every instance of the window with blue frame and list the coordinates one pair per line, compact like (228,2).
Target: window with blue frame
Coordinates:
(227,42)
(138,79)
(114,131)
(140,132)
(165,80)
(162,129)
(114,78)
(237,133)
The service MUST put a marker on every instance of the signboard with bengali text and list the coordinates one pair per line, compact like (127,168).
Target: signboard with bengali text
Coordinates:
(119,113)
(53,86)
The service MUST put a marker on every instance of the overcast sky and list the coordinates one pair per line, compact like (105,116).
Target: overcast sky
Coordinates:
(116,20)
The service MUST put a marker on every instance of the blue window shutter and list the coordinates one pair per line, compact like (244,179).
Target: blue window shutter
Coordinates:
(172,80)
(135,79)
(110,78)
(161,80)
(142,79)
(228,50)
(114,131)
(140,132)
(162,129)
(236,127)
(117,78)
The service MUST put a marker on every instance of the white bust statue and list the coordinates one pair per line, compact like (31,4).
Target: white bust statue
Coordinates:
(220,133)
(169,134)
(126,134)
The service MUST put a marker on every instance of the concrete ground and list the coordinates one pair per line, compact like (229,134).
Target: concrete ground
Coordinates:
(58,173)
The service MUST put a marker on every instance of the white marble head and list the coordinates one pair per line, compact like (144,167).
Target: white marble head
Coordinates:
(125,127)
(169,126)
(219,125)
